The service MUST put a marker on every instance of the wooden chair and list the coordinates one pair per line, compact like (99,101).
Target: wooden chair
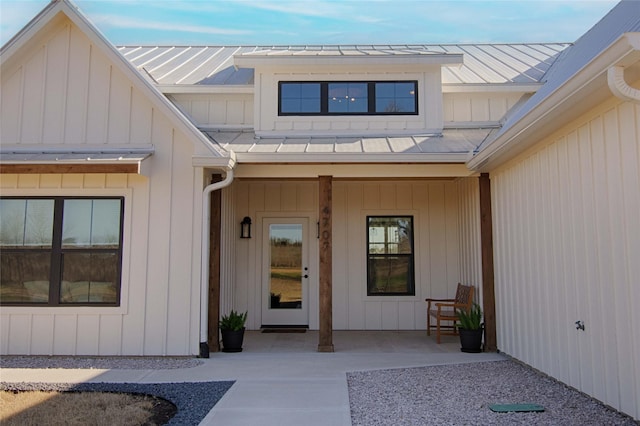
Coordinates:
(445,310)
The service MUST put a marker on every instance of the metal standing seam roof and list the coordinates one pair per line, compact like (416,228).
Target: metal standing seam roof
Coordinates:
(44,155)
(213,65)
(454,141)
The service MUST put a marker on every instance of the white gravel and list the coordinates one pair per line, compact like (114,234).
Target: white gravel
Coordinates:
(461,395)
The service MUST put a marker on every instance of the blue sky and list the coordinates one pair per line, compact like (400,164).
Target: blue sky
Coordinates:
(265,22)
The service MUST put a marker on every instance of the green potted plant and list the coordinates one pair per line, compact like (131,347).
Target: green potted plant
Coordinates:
(471,328)
(232,328)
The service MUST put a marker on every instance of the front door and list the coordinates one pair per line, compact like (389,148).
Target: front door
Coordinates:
(285,272)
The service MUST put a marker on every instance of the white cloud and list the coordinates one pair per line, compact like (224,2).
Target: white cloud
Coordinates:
(119,21)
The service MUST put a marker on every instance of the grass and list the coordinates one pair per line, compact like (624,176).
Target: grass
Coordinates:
(82,408)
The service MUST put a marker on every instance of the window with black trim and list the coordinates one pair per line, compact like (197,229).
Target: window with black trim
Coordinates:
(348,98)
(390,259)
(60,251)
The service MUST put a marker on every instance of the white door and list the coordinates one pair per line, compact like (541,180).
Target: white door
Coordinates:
(285,271)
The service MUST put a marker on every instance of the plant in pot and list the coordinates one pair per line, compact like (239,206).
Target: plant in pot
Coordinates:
(232,329)
(471,328)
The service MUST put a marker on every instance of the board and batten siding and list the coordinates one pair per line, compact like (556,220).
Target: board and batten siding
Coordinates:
(434,204)
(260,200)
(160,285)
(477,107)
(220,110)
(66,91)
(429,118)
(63,90)
(469,231)
(567,246)
(434,207)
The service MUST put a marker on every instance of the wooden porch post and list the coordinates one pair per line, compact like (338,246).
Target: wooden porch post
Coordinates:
(486,242)
(325,343)
(213,339)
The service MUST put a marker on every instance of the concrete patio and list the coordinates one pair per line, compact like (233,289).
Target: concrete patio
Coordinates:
(280,377)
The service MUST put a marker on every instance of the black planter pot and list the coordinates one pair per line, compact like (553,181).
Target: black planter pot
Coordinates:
(471,340)
(232,340)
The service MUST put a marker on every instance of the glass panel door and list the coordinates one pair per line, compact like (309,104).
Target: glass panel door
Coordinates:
(285,272)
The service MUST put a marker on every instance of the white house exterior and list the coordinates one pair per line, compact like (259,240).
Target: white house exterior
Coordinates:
(182,143)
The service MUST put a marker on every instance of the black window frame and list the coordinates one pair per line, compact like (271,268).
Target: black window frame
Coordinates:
(58,251)
(371,99)
(411,284)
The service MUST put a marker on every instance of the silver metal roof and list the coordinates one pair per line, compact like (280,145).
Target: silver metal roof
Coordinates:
(403,148)
(213,65)
(43,155)
(624,17)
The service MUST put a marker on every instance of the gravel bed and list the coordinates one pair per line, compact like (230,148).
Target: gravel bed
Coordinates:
(461,395)
(99,362)
(193,400)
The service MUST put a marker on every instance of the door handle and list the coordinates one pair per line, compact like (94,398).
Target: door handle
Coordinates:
(306,276)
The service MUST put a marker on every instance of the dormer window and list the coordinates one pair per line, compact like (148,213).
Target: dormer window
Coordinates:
(348,98)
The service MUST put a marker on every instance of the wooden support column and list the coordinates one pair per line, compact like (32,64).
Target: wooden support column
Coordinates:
(213,339)
(325,343)
(486,242)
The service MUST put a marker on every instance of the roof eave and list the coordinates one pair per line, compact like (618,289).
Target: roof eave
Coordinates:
(90,30)
(351,158)
(534,126)
(251,61)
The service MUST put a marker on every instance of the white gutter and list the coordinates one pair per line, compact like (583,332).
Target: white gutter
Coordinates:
(204,260)
(619,87)
(625,50)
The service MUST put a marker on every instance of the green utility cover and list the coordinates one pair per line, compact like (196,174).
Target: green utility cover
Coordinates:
(519,408)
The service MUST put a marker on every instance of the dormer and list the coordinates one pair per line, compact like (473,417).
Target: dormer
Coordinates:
(347,90)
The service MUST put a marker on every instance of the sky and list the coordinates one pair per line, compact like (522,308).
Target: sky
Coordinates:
(302,22)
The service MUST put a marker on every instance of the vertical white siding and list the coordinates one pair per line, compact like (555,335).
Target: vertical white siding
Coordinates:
(434,205)
(477,107)
(567,240)
(260,200)
(217,109)
(64,90)
(469,229)
(428,119)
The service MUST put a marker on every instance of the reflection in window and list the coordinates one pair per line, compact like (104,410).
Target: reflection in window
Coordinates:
(26,223)
(91,223)
(60,250)
(348,98)
(390,269)
(300,98)
(395,97)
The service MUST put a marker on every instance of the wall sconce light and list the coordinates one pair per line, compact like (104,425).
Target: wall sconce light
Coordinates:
(245,227)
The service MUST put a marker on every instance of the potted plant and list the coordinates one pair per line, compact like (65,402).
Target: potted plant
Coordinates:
(232,329)
(471,328)
(275,300)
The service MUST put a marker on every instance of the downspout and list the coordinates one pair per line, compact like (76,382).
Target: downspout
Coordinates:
(204,259)
(619,87)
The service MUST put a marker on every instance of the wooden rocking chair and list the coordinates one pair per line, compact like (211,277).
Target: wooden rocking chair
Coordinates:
(445,310)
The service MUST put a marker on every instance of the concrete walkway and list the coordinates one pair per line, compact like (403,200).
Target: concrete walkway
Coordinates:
(280,378)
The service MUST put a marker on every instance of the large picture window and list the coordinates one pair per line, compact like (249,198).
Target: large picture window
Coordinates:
(348,98)
(390,264)
(60,251)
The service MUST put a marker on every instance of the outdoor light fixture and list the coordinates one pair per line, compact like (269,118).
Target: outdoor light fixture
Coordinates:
(245,227)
